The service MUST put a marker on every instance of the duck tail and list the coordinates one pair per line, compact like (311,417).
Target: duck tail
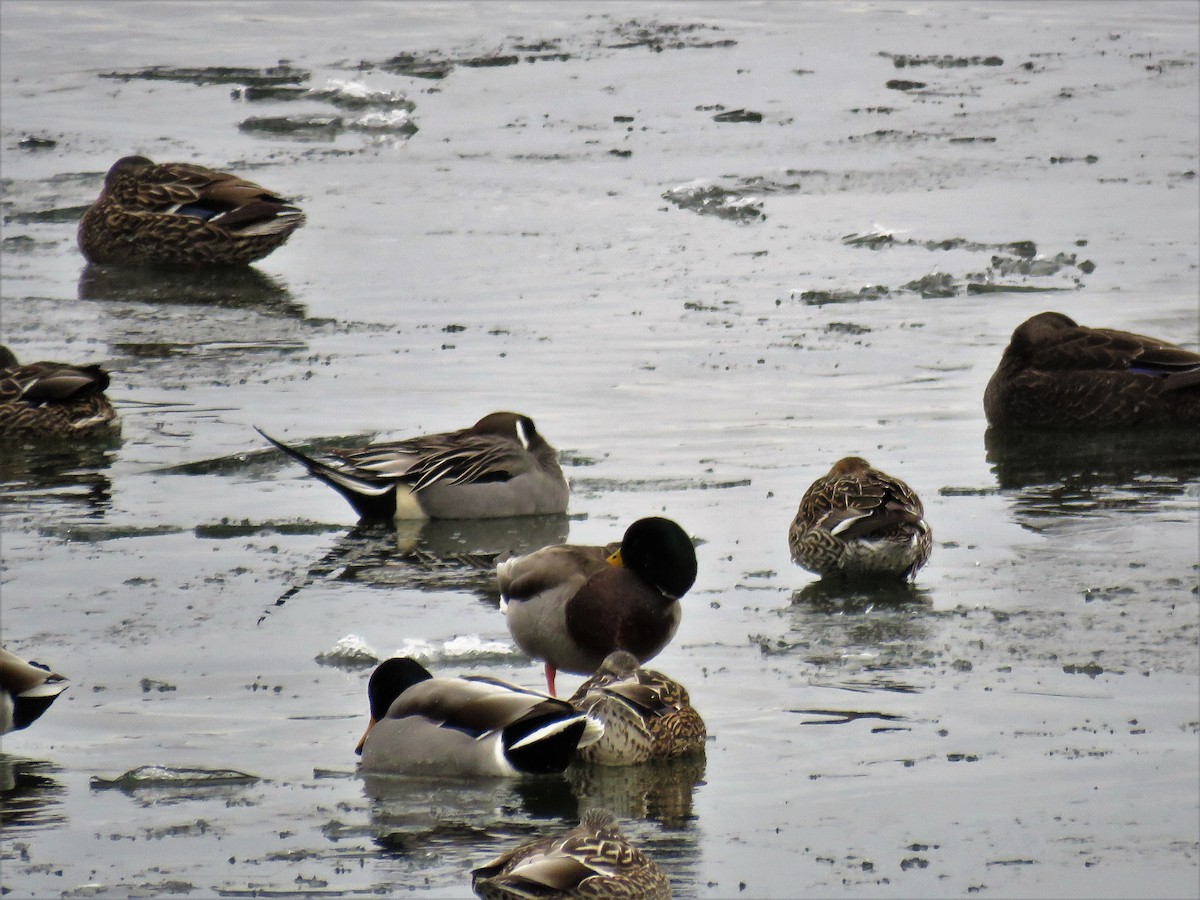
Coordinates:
(29,705)
(545,741)
(371,498)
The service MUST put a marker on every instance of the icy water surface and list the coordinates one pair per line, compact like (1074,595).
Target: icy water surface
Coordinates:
(710,248)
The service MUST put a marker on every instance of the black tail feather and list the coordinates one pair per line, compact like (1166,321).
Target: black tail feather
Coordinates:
(371,500)
(551,754)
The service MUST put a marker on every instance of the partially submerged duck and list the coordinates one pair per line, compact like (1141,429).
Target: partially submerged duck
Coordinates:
(473,725)
(592,860)
(182,214)
(499,467)
(646,715)
(858,522)
(1055,373)
(52,399)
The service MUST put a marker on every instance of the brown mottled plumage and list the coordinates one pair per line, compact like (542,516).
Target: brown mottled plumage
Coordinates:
(1058,374)
(52,399)
(859,522)
(181,214)
(646,715)
(592,860)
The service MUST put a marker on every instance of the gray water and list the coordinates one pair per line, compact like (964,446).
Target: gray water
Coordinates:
(1025,722)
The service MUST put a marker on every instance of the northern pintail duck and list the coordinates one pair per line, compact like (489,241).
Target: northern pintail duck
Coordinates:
(1056,373)
(859,522)
(473,725)
(26,691)
(572,605)
(499,467)
(52,399)
(646,715)
(154,214)
(592,860)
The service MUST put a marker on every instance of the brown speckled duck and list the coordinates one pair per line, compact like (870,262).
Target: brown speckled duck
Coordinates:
(572,605)
(646,715)
(52,400)
(182,214)
(857,522)
(1056,373)
(26,691)
(592,860)
(499,467)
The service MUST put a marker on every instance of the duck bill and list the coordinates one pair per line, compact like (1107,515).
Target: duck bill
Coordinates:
(362,740)
(615,559)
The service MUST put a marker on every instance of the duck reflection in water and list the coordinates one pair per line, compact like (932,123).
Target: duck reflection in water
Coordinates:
(229,287)
(1050,472)
(433,555)
(867,628)
(30,795)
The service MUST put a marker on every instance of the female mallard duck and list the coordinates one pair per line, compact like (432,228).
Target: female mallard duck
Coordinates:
(26,691)
(1057,374)
(51,399)
(646,715)
(591,860)
(474,725)
(180,214)
(498,467)
(571,606)
(859,522)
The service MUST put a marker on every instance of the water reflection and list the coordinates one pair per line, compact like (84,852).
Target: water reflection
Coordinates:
(433,555)
(37,474)
(455,821)
(873,628)
(242,287)
(29,793)
(450,825)
(660,791)
(1080,473)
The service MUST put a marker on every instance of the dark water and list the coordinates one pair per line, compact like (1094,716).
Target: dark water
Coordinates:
(702,316)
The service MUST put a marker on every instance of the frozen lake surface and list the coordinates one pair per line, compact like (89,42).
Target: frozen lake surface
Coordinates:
(710,249)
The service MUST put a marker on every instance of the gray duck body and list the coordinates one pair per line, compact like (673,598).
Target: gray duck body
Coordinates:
(468,726)
(499,467)
(572,605)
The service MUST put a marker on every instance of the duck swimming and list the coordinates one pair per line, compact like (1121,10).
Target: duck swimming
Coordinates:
(499,467)
(182,214)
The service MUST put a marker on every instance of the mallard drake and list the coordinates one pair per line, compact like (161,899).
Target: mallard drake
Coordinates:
(181,214)
(500,466)
(592,860)
(26,691)
(52,399)
(572,605)
(646,715)
(859,522)
(1056,373)
(473,725)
